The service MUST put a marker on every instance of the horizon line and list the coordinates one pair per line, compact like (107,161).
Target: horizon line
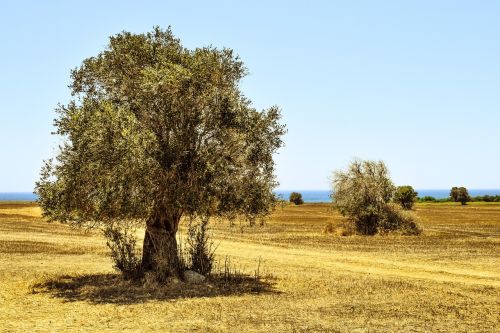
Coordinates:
(287,190)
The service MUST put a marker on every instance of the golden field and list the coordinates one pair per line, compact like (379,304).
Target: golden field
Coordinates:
(56,278)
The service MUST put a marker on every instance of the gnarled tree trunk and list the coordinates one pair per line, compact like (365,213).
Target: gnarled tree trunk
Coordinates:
(159,252)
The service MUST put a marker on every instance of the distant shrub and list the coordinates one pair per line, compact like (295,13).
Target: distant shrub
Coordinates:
(405,196)
(460,194)
(329,228)
(121,241)
(343,230)
(296,198)
(346,230)
(363,194)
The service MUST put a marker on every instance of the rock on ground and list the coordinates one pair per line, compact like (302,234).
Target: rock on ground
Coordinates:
(193,277)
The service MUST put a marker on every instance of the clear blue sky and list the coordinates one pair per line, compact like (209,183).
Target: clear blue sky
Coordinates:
(415,83)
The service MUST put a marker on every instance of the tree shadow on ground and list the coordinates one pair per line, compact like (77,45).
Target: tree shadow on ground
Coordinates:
(113,289)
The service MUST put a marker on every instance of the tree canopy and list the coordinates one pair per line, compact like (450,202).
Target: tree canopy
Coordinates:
(155,132)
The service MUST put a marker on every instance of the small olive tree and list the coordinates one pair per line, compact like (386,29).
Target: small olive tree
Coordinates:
(363,194)
(296,198)
(460,194)
(405,196)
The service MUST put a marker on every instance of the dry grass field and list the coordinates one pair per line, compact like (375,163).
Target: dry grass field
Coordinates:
(55,278)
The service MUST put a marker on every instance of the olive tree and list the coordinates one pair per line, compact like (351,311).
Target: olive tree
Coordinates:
(405,196)
(363,194)
(296,198)
(460,194)
(157,132)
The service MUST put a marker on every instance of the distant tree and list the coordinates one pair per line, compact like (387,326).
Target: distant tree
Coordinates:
(157,132)
(296,198)
(460,194)
(405,196)
(363,194)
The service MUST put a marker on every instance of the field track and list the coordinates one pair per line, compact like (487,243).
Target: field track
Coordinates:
(301,260)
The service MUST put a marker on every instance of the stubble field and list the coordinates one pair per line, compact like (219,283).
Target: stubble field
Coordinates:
(56,278)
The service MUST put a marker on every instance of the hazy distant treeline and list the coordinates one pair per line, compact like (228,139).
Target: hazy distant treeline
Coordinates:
(482,198)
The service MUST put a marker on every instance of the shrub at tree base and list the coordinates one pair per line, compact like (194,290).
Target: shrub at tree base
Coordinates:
(201,248)
(363,194)
(122,243)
